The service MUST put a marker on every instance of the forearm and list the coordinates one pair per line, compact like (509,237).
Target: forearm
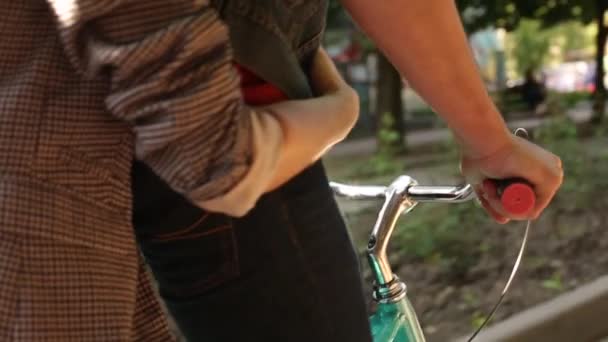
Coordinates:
(426,43)
(310,128)
(288,136)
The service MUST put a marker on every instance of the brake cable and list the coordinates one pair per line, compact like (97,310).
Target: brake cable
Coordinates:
(508,284)
(518,132)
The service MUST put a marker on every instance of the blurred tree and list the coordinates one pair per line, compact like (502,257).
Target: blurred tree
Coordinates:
(575,36)
(479,14)
(389,102)
(388,84)
(531,46)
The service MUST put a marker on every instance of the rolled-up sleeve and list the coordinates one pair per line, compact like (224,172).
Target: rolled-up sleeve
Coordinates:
(171,78)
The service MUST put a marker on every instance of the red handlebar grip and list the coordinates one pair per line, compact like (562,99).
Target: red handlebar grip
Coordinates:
(518,198)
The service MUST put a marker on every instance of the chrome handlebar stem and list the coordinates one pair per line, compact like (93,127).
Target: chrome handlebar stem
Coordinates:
(400,197)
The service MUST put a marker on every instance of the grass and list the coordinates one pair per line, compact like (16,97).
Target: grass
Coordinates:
(554,283)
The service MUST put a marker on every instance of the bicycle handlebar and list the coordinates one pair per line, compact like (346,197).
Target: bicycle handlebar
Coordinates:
(516,196)
(400,197)
(416,193)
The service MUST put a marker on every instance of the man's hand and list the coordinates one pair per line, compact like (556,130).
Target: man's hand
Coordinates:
(518,158)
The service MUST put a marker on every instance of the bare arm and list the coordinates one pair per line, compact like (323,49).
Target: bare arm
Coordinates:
(425,40)
(426,43)
(324,120)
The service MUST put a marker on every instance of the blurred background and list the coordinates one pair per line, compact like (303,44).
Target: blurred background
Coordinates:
(544,64)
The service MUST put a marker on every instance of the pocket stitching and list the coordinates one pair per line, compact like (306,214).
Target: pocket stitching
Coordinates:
(178,234)
(227,270)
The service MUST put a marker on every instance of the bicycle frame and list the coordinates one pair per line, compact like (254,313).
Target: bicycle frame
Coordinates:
(395,320)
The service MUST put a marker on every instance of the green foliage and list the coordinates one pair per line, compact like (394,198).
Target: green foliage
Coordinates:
(557,103)
(384,161)
(448,235)
(558,132)
(389,143)
(530,45)
(477,319)
(573,36)
(554,283)
(470,298)
(585,168)
(452,236)
(478,14)
(510,101)
(571,99)
(378,165)
(450,150)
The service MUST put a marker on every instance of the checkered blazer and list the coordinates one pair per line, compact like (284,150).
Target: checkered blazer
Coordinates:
(86,86)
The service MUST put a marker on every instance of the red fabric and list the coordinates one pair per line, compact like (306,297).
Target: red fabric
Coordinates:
(256,91)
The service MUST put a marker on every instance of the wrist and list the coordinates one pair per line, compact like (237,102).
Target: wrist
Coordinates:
(484,138)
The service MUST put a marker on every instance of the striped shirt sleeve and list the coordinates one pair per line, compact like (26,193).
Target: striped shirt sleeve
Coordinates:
(169,63)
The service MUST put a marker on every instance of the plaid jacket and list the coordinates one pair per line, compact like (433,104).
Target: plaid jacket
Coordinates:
(86,86)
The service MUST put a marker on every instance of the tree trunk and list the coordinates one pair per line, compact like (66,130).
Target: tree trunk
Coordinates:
(599,101)
(389,103)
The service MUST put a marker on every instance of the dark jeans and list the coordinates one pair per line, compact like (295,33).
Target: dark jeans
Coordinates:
(285,272)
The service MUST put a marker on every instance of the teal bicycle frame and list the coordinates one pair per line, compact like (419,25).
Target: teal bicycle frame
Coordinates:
(395,319)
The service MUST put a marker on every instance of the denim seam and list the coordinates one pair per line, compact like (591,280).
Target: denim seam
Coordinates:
(313,282)
(176,234)
(229,269)
(195,235)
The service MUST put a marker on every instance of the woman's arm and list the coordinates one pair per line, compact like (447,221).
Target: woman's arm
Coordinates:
(427,44)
